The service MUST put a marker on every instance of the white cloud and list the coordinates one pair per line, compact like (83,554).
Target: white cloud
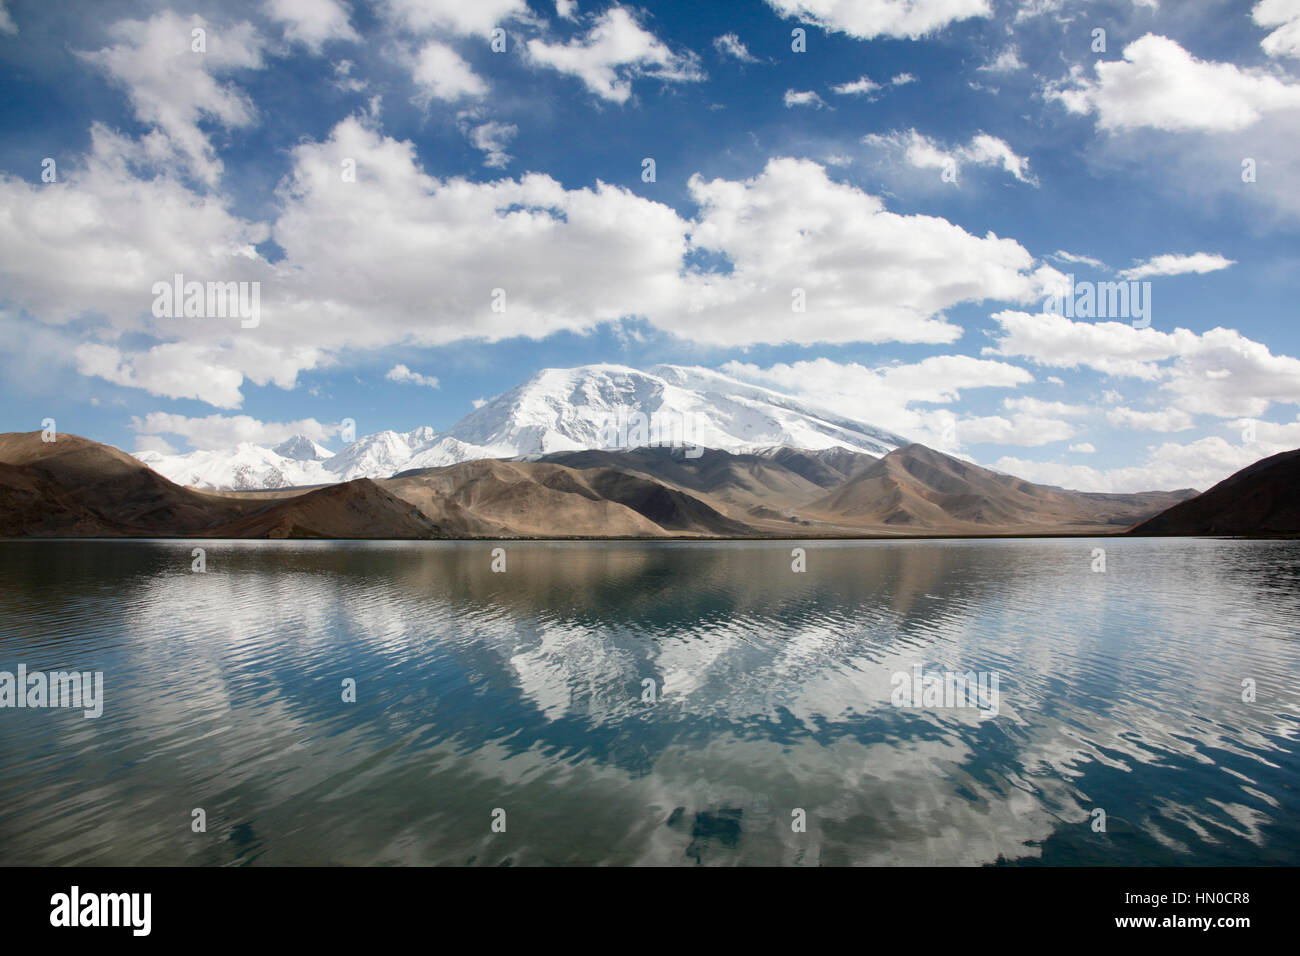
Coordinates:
(223,431)
(1174,265)
(401,258)
(802,98)
(404,376)
(492,138)
(1285,16)
(1037,406)
(863,85)
(1199,464)
(566,9)
(1024,430)
(792,228)
(457,16)
(1082,260)
(7,24)
(867,19)
(312,22)
(616,51)
(1008,61)
(1219,372)
(1165,420)
(1083,448)
(1160,85)
(885,395)
(172,87)
(729,44)
(439,72)
(902,79)
(925,153)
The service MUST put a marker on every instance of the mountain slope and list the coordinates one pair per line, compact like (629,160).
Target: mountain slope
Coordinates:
(89,489)
(1263,498)
(918,490)
(354,509)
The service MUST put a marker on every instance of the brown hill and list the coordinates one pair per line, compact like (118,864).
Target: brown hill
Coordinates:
(510,498)
(1263,498)
(91,489)
(75,488)
(353,509)
(921,491)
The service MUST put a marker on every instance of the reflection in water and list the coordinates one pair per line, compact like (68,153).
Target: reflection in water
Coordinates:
(526,691)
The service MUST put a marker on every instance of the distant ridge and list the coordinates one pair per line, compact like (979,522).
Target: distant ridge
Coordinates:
(77,488)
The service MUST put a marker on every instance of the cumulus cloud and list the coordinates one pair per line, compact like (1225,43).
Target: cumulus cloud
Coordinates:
(867,19)
(1284,15)
(613,53)
(1174,265)
(791,228)
(862,86)
(439,73)
(1083,448)
(454,16)
(729,44)
(925,153)
(7,24)
(404,376)
(1008,61)
(1164,420)
(803,98)
(1219,372)
(172,87)
(222,431)
(887,396)
(1199,464)
(492,138)
(312,22)
(1160,85)
(398,257)
(1024,430)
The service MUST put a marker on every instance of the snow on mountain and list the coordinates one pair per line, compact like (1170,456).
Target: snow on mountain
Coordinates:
(379,455)
(613,406)
(592,406)
(295,461)
(245,468)
(302,448)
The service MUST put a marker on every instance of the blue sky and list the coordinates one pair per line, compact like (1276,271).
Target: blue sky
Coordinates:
(926,173)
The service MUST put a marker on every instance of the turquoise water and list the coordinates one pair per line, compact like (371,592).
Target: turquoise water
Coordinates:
(520,698)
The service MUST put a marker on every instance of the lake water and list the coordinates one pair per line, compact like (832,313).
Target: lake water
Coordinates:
(665,703)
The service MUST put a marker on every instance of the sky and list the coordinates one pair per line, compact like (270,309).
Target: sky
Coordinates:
(900,211)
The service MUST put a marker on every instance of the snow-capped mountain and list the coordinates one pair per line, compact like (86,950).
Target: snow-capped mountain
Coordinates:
(302,448)
(246,467)
(592,406)
(613,406)
(295,461)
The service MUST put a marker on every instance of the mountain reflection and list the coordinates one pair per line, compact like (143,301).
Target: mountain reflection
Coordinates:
(667,703)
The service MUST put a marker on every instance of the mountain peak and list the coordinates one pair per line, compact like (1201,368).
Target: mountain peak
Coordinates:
(302,448)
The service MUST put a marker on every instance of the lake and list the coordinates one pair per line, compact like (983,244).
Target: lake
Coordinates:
(669,703)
